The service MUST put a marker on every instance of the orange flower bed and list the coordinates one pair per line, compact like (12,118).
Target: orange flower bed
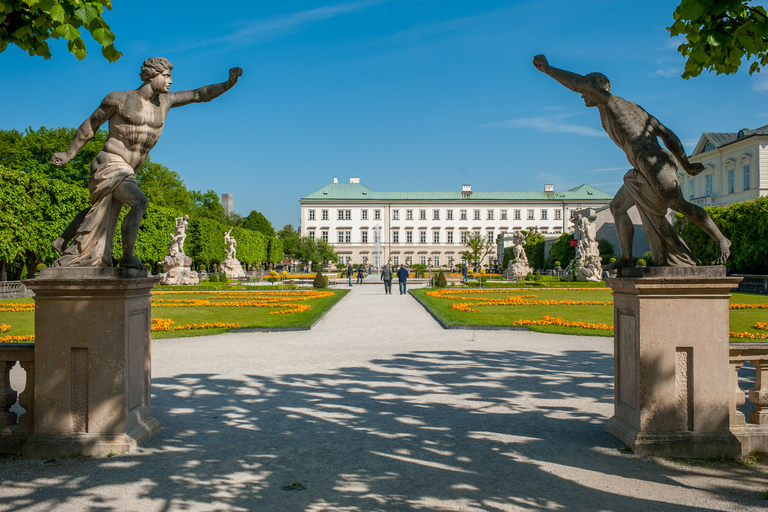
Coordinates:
(5,328)
(13,307)
(257,299)
(550,320)
(166,324)
(512,300)
(761,325)
(14,339)
(748,306)
(749,335)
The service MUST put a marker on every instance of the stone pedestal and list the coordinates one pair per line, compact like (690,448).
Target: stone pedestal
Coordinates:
(231,268)
(177,271)
(671,393)
(92,361)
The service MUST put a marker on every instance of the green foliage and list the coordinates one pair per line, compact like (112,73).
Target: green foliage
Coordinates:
(327,252)
(207,206)
(214,278)
(641,262)
(534,249)
(258,222)
(505,261)
(154,234)
(274,250)
(32,151)
(441,282)
(560,250)
(744,224)
(163,187)
(719,34)
(320,280)
(34,211)
(648,258)
(205,242)
(290,239)
(251,245)
(418,270)
(478,248)
(30,23)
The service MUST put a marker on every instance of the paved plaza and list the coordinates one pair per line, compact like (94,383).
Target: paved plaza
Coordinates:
(377,408)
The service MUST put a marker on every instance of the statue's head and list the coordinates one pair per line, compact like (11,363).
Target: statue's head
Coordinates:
(600,81)
(154,67)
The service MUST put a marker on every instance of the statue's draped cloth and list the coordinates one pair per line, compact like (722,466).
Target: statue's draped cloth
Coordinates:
(92,246)
(667,248)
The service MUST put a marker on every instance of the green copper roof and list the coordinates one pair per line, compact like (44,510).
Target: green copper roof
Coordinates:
(359,192)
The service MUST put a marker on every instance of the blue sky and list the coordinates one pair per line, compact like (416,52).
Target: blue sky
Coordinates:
(405,94)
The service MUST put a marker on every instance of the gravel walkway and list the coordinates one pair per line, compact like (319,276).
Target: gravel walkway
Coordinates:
(379,409)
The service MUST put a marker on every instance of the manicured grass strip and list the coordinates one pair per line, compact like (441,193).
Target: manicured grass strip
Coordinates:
(22,319)
(527,308)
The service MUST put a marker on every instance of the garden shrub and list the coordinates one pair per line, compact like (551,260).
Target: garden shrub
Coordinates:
(320,280)
(213,278)
(441,282)
(641,262)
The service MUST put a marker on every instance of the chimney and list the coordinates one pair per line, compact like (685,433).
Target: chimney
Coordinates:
(549,188)
(335,179)
(466,188)
(354,180)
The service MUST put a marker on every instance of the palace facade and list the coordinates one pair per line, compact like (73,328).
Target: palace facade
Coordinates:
(735,168)
(430,228)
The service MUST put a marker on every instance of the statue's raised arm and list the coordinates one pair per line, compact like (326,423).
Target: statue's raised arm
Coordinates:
(207,92)
(589,86)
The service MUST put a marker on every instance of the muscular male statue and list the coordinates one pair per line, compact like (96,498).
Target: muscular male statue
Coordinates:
(136,121)
(652,183)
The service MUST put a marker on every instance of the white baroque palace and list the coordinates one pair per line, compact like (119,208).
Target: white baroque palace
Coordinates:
(735,168)
(430,228)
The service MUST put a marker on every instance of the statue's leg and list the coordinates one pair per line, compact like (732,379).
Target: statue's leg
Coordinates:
(696,214)
(625,231)
(61,243)
(131,195)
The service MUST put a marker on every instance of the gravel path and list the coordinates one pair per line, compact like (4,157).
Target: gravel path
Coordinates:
(379,409)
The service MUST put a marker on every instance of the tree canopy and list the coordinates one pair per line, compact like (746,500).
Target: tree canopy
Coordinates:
(258,222)
(478,248)
(29,24)
(719,34)
(164,187)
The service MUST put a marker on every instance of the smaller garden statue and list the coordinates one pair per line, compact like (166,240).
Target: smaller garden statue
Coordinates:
(518,266)
(231,266)
(176,266)
(586,266)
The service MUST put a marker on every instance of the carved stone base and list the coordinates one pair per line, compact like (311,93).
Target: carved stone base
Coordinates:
(231,268)
(671,392)
(92,361)
(176,271)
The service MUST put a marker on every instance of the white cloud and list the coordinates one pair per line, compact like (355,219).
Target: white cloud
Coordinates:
(551,124)
(607,169)
(760,83)
(559,182)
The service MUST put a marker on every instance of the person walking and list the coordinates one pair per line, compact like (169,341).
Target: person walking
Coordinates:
(386,276)
(402,277)
(360,274)
(464,271)
(350,271)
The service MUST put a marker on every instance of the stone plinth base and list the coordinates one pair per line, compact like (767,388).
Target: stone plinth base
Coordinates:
(231,268)
(176,271)
(671,393)
(92,361)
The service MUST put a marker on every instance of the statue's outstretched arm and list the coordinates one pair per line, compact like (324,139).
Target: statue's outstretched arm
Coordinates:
(87,130)
(208,92)
(575,82)
(673,144)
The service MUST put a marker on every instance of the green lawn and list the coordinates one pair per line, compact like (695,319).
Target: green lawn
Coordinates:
(741,320)
(255,317)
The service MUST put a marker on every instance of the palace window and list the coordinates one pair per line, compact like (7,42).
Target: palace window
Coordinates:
(422,237)
(364,236)
(311,234)
(363,214)
(409,237)
(395,237)
(731,181)
(449,236)
(747,179)
(558,215)
(395,214)
(449,214)
(436,261)
(396,260)
(544,214)
(490,215)
(477,215)
(436,236)
(503,214)
(324,215)
(435,214)
(423,260)
(517,215)
(531,214)
(463,214)
(709,186)
(463,236)
(490,235)
(324,235)
(408,214)
(376,214)
(311,214)
(422,214)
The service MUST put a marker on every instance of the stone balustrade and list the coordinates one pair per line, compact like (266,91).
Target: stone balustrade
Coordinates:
(752,430)
(752,283)
(13,290)
(15,429)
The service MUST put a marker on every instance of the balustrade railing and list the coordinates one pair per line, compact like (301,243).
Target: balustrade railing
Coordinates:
(751,429)
(13,290)
(752,283)
(15,428)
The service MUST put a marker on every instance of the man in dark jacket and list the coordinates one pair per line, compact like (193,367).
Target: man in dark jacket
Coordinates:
(402,277)
(350,271)
(386,276)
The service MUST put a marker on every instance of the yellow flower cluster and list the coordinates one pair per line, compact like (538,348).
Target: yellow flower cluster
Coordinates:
(749,335)
(748,306)
(166,324)
(16,307)
(14,339)
(550,320)
(761,325)
(258,299)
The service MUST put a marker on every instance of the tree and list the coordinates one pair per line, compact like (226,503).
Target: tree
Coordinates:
(561,251)
(258,222)
(290,239)
(207,206)
(163,187)
(534,248)
(719,34)
(30,23)
(32,151)
(479,247)
(327,252)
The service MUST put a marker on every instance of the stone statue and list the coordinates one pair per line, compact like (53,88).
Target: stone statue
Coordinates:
(586,266)
(231,245)
(651,184)
(231,267)
(518,266)
(135,119)
(177,265)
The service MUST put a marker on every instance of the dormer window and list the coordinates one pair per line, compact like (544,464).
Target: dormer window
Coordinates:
(740,135)
(709,146)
